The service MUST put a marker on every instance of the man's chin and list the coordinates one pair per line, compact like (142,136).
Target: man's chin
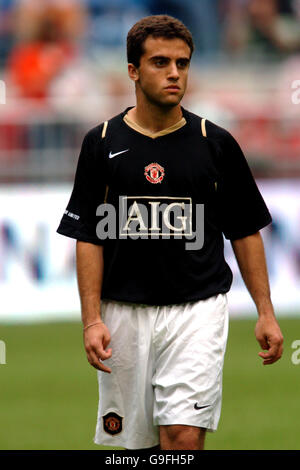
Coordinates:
(169,102)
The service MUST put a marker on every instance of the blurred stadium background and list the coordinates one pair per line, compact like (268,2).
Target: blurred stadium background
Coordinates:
(63,70)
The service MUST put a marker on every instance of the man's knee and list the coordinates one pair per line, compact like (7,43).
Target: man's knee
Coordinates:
(176,437)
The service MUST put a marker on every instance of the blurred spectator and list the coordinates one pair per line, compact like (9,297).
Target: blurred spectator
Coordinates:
(202,18)
(110,21)
(265,29)
(69,17)
(6,29)
(45,33)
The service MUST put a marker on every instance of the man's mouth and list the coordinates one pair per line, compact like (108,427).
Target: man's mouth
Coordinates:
(173,88)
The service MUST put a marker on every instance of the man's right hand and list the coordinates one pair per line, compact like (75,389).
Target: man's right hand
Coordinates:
(96,339)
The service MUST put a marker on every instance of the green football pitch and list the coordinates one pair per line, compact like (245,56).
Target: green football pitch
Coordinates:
(49,395)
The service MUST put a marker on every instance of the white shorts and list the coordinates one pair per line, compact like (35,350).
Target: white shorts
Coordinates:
(167,365)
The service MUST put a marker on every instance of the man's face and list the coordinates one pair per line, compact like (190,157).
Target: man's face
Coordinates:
(163,71)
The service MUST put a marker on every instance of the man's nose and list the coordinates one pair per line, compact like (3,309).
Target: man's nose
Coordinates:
(173,71)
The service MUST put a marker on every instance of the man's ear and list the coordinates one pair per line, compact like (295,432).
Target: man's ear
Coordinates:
(133,72)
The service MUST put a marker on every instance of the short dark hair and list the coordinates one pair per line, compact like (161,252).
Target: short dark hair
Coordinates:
(156,26)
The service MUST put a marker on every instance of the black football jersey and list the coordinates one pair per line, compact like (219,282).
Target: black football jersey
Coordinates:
(160,205)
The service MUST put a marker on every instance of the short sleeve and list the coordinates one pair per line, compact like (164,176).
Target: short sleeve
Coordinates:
(243,211)
(79,218)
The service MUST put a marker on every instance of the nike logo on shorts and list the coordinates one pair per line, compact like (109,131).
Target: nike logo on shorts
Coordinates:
(200,407)
(112,155)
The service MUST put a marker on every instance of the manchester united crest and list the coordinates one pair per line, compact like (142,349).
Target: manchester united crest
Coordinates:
(154,173)
(112,423)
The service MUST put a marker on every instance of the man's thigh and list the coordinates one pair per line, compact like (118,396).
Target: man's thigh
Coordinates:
(190,344)
(125,412)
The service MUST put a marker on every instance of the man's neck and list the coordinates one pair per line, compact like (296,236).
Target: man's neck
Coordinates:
(153,118)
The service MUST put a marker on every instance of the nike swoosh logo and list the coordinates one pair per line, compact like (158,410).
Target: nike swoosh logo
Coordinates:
(112,155)
(200,407)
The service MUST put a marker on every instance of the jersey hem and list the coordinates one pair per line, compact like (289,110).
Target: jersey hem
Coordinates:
(187,422)
(162,303)
(250,231)
(73,233)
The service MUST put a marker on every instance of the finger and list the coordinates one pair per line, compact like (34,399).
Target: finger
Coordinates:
(272,352)
(104,368)
(95,361)
(96,352)
(272,355)
(270,361)
(103,354)
(280,350)
(279,353)
(263,342)
(106,342)
(265,355)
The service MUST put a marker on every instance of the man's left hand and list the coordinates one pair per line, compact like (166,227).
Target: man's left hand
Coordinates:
(269,336)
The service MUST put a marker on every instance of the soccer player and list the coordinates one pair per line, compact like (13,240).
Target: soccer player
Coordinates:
(156,188)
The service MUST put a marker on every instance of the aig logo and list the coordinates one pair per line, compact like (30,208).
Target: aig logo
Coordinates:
(152,217)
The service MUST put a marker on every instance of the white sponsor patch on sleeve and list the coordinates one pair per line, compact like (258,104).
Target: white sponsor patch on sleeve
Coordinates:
(73,216)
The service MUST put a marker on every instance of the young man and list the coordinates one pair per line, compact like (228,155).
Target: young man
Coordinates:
(177,183)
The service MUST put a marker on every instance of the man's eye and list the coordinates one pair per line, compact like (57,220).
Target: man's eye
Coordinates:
(182,64)
(160,63)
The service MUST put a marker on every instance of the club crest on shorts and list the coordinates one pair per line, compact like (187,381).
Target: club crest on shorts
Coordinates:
(154,173)
(112,423)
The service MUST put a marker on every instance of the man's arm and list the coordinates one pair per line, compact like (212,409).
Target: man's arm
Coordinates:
(89,263)
(250,255)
